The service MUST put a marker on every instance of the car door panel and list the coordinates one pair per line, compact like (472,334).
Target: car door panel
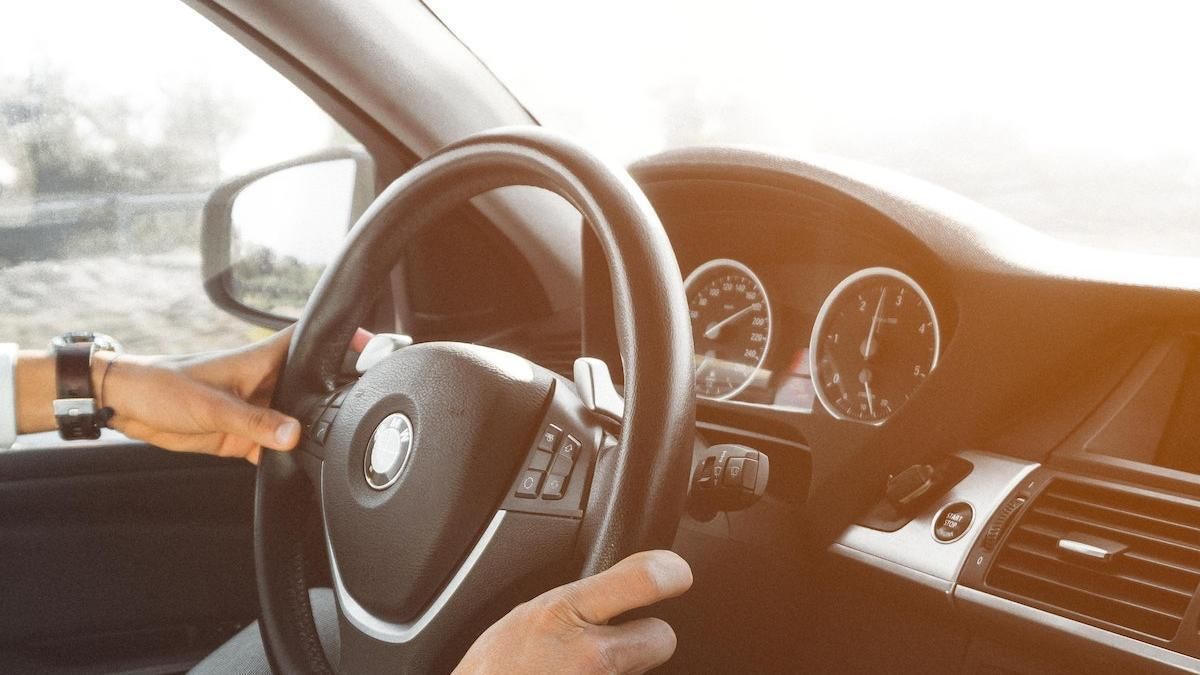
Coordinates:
(116,555)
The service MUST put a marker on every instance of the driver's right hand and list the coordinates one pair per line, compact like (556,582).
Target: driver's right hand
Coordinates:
(566,630)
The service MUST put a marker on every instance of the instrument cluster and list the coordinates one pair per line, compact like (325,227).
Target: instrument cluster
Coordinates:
(873,341)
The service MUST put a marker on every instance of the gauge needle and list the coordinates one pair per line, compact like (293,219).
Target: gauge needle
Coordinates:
(867,352)
(870,397)
(714,330)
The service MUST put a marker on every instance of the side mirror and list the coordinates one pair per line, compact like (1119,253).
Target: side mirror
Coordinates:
(267,236)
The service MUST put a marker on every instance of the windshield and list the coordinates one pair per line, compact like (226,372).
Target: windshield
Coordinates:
(1079,119)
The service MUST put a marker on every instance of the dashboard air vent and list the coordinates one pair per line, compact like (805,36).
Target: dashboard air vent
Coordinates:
(1122,558)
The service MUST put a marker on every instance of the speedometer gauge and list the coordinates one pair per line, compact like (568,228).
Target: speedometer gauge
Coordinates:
(731,326)
(875,341)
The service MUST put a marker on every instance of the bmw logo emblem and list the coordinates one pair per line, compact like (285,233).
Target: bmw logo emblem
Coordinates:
(388,451)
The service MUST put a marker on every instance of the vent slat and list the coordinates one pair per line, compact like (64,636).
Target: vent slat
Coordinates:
(1093,594)
(1169,594)
(1186,532)
(1146,588)
(1119,531)
(1179,513)
(1178,575)
(1177,567)
(1071,599)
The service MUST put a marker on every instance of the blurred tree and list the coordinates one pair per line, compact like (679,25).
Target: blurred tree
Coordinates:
(43,137)
(263,279)
(64,143)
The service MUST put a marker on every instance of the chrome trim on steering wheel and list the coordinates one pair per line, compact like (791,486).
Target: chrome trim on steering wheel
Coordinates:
(400,633)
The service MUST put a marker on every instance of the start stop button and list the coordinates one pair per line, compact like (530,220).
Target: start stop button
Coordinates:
(952,522)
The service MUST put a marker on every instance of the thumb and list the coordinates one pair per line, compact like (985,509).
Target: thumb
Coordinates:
(266,427)
(640,580)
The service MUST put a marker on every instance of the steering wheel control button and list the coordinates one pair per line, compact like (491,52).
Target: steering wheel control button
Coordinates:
(321,431)
(329,415)
(389,450)
(570,448)
(554,487)
(528,486)
(339,397)
(562,466)
(549,438)
(952,522)
(540,461)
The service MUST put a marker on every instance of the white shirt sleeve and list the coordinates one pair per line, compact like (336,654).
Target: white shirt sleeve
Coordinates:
(8,394)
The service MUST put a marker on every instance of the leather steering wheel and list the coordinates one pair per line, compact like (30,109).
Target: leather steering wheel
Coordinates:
(449,471)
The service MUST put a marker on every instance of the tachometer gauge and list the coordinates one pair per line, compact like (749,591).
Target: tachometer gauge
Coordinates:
(731,326)
(875,341)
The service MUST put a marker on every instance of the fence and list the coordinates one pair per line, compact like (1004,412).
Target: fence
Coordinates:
(60,226)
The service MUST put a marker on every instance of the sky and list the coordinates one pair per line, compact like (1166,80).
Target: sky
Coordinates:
(138,50)
(134,48)
(1078,118)
(1069,73)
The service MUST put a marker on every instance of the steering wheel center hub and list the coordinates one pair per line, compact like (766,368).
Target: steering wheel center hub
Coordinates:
(423,451)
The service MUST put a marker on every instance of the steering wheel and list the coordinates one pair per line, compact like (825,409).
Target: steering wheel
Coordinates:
(449,471)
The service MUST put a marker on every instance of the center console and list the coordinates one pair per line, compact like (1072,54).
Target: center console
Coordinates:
(1091,558)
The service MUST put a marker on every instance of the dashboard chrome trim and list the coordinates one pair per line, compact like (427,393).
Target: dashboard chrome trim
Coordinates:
(915,576)
(822,314)
(914,547)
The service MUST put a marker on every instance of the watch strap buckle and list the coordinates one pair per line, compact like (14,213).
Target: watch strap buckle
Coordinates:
(74,407)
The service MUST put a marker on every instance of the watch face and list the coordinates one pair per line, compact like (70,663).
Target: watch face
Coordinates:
(104,343)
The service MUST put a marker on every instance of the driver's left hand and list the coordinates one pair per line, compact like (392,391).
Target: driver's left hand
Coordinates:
(215,404)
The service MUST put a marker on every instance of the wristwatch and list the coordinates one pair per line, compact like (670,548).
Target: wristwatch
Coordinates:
(75,409)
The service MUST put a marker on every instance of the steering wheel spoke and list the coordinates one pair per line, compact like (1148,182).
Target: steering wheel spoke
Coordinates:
(556,471)
(513,546)
(318,413)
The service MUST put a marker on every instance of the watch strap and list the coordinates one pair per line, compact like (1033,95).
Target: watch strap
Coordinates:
(75,408)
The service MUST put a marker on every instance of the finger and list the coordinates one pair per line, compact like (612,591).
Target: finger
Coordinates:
(219,444)
(360,339)
(637,581)
(263,426)
(210,443)
(635,646)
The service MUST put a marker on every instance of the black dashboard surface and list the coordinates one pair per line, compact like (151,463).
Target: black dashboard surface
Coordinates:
(800,249)
(1035,331)
(1051,354)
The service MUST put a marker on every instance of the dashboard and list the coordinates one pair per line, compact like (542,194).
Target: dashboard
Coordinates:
(852,325)
(800,305)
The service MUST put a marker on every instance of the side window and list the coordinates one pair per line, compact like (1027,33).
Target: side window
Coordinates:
(115,128)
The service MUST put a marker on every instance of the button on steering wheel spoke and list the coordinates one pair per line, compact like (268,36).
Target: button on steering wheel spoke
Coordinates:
(556,472)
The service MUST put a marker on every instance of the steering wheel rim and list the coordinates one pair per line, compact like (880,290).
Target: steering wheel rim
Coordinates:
(636,497)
